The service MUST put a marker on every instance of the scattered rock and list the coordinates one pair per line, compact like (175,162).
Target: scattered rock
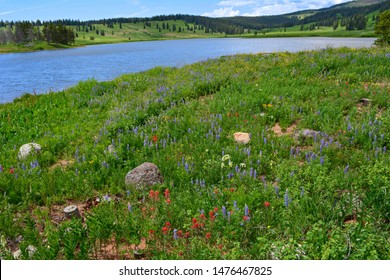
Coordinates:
(72,211)
(17,254)
(242,137)
(365,101)
(31,251)
(145,175)
(27,149)
(111,149)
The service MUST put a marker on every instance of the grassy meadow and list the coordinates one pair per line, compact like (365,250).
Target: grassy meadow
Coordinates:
(283,195)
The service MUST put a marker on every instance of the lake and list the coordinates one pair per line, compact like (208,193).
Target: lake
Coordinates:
(46,71)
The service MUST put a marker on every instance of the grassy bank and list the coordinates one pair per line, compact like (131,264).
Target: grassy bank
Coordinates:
(287,194)
(134,32)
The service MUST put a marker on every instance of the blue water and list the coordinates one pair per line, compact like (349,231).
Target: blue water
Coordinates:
(46,71)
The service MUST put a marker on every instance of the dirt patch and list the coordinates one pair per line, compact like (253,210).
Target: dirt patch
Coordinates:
(121,250)
(61,164)
(204,99)
(277,129)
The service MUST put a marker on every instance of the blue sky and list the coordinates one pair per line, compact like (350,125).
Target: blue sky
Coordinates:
(99,9)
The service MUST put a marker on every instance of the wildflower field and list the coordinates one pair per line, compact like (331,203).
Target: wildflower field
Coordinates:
(312,182)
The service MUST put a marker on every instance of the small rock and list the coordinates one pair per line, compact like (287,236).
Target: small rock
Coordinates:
(17,254)
(27,149)
(110,149)
(242,137)
(145,175)
(72,211)
(31,250)
(365,101)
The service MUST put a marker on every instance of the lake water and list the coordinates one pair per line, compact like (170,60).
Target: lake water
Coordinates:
(46,71)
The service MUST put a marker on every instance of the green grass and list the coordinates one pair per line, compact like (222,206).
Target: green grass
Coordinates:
(321,198)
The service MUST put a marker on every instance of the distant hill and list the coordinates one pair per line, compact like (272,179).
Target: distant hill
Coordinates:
(342,13)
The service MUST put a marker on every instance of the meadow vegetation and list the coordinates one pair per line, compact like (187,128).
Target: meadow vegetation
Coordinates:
(284,195)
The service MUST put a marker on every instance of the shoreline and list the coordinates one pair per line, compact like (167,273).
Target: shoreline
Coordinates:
(99,79)
(43,46)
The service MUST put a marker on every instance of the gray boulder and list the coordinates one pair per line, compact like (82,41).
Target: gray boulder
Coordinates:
(144,176)
(28,149)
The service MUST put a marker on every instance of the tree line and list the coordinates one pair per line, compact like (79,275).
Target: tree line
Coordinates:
(63,31)
(25,32)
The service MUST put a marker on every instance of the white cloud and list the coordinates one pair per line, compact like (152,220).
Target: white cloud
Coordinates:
(223,12)
(276,9)
(6,13)
(239,3)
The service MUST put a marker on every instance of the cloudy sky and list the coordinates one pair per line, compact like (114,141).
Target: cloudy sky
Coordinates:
(99,9)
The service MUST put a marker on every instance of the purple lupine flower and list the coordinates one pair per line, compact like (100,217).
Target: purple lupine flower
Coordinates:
(77,172)
(276,188)
(254,174)
(77,154)
(322,160)
(186,167)
(1,168)
(246,210)
(228,216)
(302,191)
(292,150)
(106,198)
(129,207)
(346,169)
(224,211)
(128,192)
(235,205)
(175,236)
(286,199)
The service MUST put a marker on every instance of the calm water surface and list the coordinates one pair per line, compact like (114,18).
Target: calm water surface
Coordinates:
(46,71)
